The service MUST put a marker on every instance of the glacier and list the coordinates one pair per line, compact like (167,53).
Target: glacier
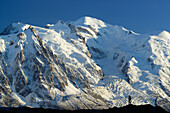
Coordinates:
(83,64)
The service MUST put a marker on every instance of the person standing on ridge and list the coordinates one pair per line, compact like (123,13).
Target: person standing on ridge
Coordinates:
(129,99)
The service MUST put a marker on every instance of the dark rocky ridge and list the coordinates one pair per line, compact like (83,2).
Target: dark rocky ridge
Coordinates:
(126,109)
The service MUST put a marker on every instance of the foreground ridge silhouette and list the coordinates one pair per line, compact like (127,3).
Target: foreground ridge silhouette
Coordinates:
(127,109)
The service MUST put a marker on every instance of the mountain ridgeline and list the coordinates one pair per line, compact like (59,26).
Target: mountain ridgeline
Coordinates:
(83,64)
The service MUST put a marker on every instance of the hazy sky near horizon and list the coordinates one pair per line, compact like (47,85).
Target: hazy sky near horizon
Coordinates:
(142,16)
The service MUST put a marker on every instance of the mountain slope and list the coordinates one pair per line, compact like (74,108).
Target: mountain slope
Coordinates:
(83,64)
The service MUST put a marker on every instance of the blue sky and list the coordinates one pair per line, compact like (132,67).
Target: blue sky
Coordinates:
(142,16)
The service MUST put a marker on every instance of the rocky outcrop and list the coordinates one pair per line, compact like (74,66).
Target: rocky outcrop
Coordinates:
(96,33)
(74,29)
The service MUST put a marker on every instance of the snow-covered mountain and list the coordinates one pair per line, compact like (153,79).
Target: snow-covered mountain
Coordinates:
(83,64)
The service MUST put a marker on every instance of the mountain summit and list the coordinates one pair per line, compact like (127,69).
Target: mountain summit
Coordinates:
(83,64)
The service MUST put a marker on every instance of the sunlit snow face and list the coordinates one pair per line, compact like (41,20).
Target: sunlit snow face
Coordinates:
(52,65)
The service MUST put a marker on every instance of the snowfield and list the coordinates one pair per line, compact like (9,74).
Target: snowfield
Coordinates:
(83,64)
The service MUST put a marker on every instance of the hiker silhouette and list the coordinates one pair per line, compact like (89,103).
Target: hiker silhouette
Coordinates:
(129,99)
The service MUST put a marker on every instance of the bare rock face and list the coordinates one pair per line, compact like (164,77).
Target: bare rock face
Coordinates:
(164,103)
(83,64)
